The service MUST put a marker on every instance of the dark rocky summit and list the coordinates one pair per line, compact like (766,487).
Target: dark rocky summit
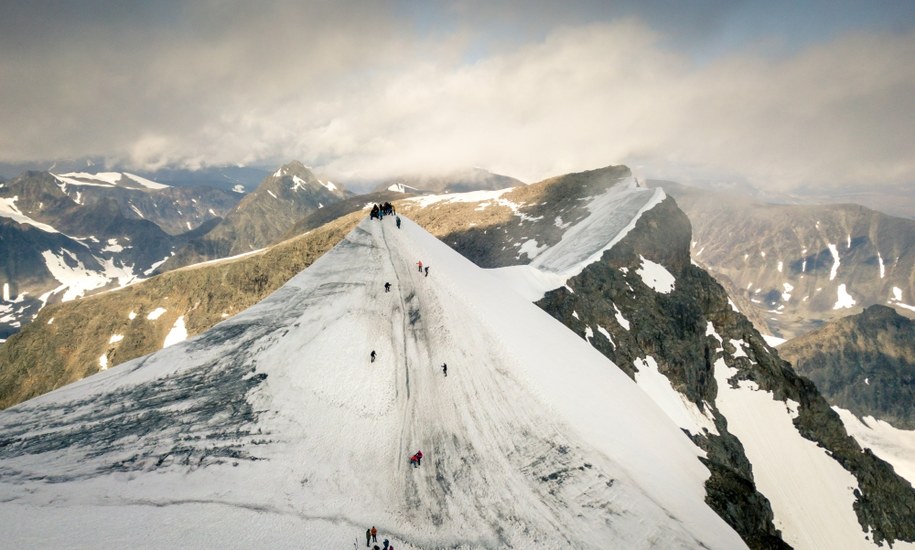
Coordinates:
(864,363)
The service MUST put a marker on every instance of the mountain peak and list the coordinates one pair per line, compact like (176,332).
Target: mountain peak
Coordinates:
(293,168)
(880,311)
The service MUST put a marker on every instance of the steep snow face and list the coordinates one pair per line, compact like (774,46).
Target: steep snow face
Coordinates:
(811,494)
(274,426)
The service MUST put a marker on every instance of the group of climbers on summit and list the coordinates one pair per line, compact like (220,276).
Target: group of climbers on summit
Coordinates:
(379,212)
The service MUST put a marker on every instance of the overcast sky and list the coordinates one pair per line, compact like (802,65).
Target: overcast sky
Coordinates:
(783,95)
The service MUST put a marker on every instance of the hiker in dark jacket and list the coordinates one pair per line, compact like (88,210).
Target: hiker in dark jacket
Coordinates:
(373,356)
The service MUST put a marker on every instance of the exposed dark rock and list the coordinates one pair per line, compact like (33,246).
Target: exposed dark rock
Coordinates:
(671,328)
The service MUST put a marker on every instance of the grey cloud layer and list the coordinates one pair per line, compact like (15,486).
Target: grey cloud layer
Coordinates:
(368,92)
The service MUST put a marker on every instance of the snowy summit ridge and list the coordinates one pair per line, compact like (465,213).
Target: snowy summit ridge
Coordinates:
(527,440)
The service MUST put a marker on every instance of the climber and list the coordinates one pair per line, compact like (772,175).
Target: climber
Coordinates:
(416,459)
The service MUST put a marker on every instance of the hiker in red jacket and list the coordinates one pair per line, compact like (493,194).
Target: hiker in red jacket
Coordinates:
(416,459)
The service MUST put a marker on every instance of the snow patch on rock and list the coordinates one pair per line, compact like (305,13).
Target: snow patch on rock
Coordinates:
(156,313)
(178,333)
(845,300)
(656,276)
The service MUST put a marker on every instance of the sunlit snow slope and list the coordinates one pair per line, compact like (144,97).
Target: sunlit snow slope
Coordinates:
(273,429)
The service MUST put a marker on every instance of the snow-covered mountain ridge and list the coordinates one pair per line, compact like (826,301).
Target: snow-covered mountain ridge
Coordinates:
(659,334)
(772,429)
(673,331)
(518,451)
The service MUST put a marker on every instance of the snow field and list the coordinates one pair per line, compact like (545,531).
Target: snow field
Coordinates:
(684,413)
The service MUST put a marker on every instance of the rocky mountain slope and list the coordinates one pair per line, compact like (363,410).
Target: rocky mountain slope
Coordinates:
(795,267)
(263,216)
(611,261)
(864,363)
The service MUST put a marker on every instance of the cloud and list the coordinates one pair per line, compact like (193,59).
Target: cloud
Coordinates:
(376,94)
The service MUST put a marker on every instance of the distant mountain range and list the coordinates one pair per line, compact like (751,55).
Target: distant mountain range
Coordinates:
(792,268)
(263,216)
(238,179)
(65,235)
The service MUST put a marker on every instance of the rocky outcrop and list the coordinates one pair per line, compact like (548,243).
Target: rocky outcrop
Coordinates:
(864,363)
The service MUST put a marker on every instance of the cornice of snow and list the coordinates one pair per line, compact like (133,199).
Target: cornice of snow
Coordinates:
(585,242)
